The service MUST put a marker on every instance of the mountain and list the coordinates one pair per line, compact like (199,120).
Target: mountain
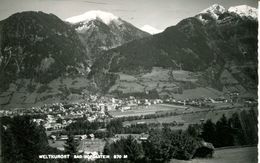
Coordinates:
(214,43)
(214,11)
(35,49)
(46,60)
(150,29)
(244,11)
(101,31)
(31,48)
(105,17)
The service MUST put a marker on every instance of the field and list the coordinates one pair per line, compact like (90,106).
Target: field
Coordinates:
(96,145)
(145,110)
(59,144)
(88,145)
(198,93)
(19,95)
(179,84)
(158,78)
(232,155)
(186,115)
(181,75)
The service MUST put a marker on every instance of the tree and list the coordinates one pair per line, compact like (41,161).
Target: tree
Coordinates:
(158,147)
(59,120)
(224,133)
(249,125)
(71,148)
(184,145)
(163,145)
(194,130)
(125,146)
(239,136)
(23,140)
(209,132)
(133,149)
(115,127)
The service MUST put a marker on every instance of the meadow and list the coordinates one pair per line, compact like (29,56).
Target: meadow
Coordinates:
(228,155)
(184,114)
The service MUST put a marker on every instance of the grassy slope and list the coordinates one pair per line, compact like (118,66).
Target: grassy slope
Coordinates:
(232,155)
(165,82)
(58,90)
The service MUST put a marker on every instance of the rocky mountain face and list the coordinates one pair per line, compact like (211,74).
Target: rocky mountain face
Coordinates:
(100,31)
(40,47)
(214,42)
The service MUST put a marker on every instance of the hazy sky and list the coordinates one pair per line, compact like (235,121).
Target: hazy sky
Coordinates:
(157,13)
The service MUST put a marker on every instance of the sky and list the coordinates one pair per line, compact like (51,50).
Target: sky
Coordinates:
(157,13)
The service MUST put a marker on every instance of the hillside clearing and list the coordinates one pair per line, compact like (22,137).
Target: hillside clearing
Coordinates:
(232,155)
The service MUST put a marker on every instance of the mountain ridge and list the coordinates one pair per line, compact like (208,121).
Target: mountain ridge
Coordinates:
(241,10)
(200,53)
(100,31)
(30,46)
(191,45)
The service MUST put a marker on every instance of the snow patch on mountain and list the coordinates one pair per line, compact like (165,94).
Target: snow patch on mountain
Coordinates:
(214,10)
(85,27)
(150,29)
(105,17)
(244,10)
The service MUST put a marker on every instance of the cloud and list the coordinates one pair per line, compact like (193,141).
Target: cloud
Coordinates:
(101,3)
(92,2)
(124,10)
(150,29)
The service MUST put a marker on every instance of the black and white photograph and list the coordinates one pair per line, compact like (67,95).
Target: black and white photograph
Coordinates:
(129,81)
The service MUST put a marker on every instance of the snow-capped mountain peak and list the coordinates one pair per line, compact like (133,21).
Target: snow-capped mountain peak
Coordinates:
(244,10)
(150,29)
(106,17)
(214,10)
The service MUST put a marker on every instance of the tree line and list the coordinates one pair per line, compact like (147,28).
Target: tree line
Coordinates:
(239,129)
(22,140)
(161,145)
(165,144)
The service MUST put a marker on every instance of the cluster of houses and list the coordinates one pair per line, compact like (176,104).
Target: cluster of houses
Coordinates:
(133,103)
(76,137)
(138,137)
(93,107)
(59,115)
(52,122)
(102,104)
(94,104)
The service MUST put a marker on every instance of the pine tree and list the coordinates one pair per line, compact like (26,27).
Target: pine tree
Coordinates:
(71,148)
(224,133)
(133,149)
(24,140)
(209,132)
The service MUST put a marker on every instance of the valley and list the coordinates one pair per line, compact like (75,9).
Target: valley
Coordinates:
(95,84)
